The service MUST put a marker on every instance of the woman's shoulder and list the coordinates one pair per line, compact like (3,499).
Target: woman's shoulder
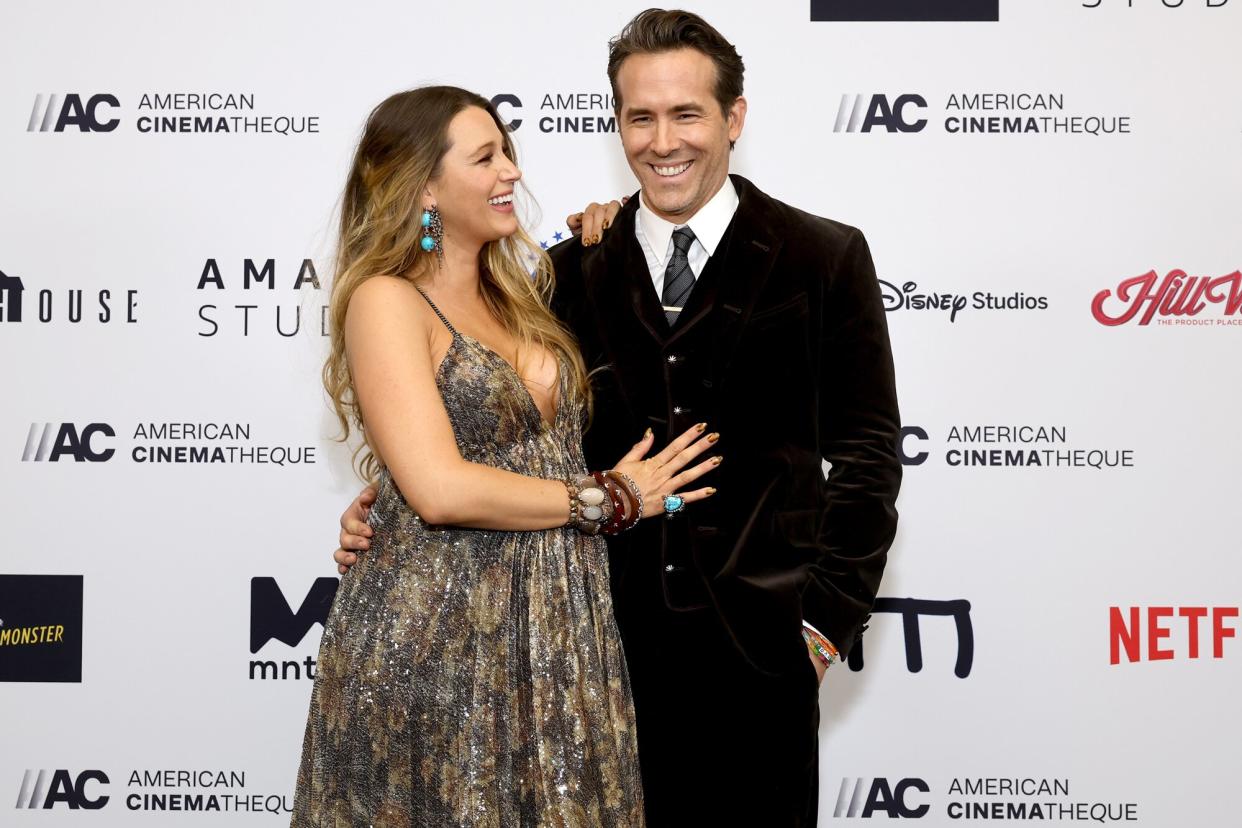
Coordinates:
(388,299)
(387,295)
(382,288)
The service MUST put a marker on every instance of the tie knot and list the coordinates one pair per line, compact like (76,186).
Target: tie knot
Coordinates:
(683,237)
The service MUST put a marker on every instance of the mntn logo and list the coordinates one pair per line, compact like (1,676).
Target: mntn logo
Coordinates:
(880,797)
(272,617)
(910,610)
(54,115)
(68,441)
(858,113)
(64,788)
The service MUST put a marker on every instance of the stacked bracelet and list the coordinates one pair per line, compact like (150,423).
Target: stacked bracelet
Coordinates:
(636,497)
(820,647)
(620,510)
(604,503)
(629,494)
(590,508)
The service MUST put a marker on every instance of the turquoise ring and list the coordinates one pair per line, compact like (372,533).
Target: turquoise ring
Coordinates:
(673,504)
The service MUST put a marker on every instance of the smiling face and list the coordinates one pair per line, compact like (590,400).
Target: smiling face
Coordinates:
(675,135)
(474,186)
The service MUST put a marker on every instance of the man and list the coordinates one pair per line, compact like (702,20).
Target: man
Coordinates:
(709,301)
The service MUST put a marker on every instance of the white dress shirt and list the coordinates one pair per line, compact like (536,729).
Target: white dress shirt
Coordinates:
(655,235)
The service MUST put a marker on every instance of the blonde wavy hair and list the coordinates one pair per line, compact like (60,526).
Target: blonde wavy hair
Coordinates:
(400,151)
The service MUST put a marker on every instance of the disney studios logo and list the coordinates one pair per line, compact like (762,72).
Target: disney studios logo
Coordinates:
(908,297)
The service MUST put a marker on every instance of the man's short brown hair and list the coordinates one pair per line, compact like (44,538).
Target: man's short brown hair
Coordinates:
(660,30)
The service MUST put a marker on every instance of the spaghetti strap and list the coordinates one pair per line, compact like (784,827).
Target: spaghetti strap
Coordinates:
(443,319)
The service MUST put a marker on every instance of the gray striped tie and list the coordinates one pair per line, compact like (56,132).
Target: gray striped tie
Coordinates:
(678,277)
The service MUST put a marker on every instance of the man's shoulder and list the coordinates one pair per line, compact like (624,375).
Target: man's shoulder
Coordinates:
(814,230)
(566,258)
(801,229)
(568,251)
(812,246)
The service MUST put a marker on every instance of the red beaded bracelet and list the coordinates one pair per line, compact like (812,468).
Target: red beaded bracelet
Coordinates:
(618,504)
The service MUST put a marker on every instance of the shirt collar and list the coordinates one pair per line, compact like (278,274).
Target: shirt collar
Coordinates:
(708,224)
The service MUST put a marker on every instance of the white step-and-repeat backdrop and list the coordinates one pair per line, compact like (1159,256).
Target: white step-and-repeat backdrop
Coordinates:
(1052,202)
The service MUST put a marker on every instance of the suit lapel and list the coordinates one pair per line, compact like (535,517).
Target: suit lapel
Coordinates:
(736,274)
(618,278)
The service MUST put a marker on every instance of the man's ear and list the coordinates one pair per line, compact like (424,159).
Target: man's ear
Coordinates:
(736,118)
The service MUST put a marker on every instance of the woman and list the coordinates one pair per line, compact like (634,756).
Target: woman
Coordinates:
(470,671)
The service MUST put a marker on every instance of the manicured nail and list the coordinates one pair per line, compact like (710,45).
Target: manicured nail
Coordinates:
(710,491)
(700,427)
(717,460)
(607,224)
(647,433)
(711,438)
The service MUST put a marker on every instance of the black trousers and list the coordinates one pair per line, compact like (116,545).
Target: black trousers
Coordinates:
(720,743)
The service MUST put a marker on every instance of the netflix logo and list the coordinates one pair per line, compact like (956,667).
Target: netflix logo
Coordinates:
(1167,633)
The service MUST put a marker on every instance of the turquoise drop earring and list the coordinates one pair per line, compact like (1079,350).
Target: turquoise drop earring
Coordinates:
(433,233)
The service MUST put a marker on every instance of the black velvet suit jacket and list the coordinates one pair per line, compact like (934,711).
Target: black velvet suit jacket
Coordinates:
(783,348)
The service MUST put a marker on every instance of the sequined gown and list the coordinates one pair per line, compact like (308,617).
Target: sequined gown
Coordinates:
(474,677)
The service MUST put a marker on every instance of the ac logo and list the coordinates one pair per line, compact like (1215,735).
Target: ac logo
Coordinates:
(908,457)
(55,116)
(64,788)
(858,113)
(511,100)
(865,798)
(68,442)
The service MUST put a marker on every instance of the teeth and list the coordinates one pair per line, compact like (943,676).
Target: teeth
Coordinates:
(680,168)
(504,199)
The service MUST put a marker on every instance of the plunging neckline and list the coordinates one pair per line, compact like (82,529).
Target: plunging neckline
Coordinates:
(521,381)
(530,398)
